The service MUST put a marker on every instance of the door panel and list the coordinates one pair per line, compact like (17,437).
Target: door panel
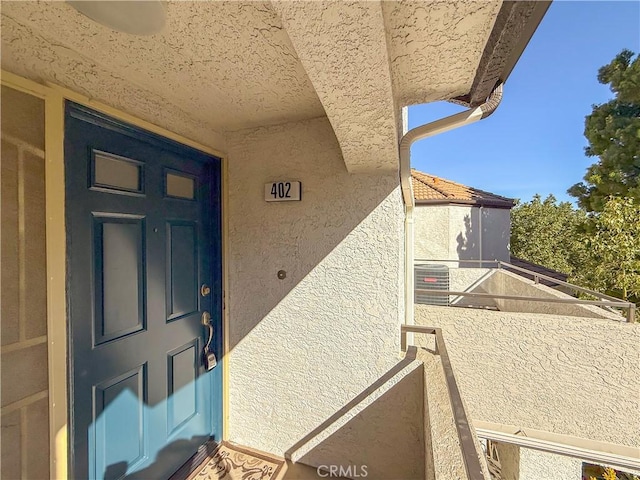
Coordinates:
(143,234)
(119,419)
(182,271)
(181,382)
(119,284)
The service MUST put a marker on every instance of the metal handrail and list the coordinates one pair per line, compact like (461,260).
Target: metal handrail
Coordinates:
(418,260)
(570,301)
(470,455)
(559,282)
(606,300)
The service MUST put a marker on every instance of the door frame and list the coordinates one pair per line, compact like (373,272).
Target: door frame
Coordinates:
(54,97)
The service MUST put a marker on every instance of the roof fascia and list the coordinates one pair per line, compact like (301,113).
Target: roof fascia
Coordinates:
(473,203)
(514,26)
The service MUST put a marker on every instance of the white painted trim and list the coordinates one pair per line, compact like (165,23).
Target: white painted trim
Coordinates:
(225,298)
(56,285)
(617,456)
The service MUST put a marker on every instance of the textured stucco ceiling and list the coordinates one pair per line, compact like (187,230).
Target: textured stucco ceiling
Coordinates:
(225,66)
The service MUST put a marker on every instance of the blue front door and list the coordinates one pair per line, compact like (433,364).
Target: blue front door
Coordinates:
(144,264)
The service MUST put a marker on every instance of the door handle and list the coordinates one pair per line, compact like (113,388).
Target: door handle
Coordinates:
(209,357)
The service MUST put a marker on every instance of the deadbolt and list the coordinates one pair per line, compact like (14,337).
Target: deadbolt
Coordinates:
(205,290)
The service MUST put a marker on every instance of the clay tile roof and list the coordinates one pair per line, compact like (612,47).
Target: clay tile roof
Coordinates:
(429,189)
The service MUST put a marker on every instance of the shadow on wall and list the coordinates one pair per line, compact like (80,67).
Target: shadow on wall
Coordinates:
(330,244)
(387,418)
(468,241)
(472,280)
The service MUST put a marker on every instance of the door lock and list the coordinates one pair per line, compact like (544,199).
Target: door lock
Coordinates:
(205,290)
(209,357)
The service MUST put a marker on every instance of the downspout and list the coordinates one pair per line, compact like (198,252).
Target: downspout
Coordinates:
(428,130)
(480,234)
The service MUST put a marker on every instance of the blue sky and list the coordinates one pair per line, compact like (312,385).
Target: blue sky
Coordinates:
(534,142)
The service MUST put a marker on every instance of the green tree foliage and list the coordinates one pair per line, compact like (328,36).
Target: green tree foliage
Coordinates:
(598,245)
(600,251)
(613,132)
(613,242)
(548,233)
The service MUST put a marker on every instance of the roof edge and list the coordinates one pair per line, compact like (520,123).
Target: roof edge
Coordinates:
(518,259)
(514,26)
(488,200)
(504,204)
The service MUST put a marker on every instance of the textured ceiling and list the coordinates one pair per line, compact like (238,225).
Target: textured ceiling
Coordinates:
(225,66)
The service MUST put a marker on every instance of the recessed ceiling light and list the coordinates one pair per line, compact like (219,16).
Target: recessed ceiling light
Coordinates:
(136,17)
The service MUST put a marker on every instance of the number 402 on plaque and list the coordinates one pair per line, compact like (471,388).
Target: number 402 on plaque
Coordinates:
(282,191)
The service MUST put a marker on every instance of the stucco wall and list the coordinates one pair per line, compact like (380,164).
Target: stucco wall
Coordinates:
(444,454)
(364,434)
(302,347)
(464,232)
(519,463)
(496,233)
(469,279)
(502,282)
(431,232)
(452,232)
(536,465)
(566,375)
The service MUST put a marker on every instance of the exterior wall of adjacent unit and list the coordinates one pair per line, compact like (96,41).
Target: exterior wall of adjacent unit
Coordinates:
(303,347)
(25,424)
(535,465)
(458,232)
(502,282)
(496,233)
(520,463)
(552,373)
(431,240)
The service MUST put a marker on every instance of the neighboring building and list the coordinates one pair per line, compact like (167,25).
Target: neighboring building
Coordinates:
(456,222)
(460,232)
(141,239)
(461,226)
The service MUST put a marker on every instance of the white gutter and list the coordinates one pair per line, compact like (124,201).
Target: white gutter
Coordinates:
(428,130)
